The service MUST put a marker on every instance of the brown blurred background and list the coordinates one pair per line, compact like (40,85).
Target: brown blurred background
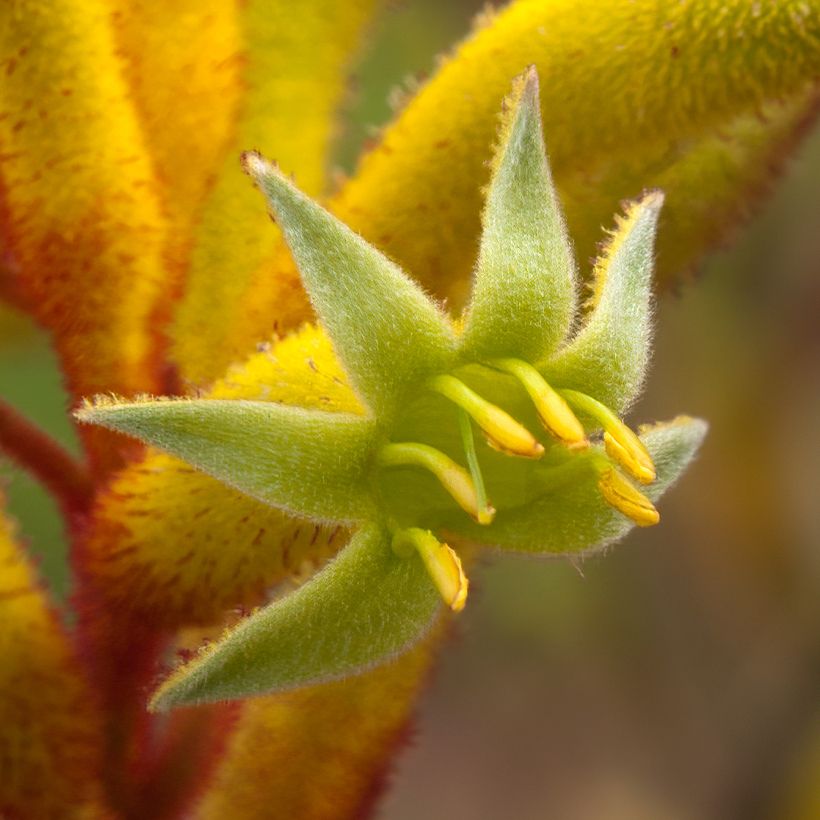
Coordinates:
(679,676)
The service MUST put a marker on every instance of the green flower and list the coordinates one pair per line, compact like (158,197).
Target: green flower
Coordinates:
(407,476)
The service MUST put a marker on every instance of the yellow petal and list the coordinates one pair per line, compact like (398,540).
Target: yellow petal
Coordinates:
(50,738)
(174,543)
(633,95)
(81,223)
(295,72)
(319,753)
(182,61)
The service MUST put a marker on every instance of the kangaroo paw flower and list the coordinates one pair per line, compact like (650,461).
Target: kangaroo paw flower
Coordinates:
(393,473)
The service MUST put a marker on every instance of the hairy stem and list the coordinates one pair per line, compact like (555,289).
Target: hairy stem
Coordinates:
(66,477)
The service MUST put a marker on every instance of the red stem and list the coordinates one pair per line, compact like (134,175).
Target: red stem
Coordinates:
(63,475)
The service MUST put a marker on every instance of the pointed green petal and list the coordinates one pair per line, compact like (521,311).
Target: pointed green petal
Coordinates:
(609,356)
(365,607)
(387,332)
(307,462)
(524,294)
(572,517)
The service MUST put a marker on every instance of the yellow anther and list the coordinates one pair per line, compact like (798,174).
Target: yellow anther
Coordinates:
(625,498)
(500,429)
(621,443)
(453,477)
(441,562)
(553,411)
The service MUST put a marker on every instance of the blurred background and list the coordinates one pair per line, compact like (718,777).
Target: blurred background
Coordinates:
(679,675)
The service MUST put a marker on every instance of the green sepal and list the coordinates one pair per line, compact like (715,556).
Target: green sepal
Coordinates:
(309,463)
(609,356)
(387,333)
(571,515)
(523,298)
(365,607)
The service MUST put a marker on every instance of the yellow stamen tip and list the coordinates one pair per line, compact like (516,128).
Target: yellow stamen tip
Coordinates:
(631,454)
(622,445)
(486,515)
(442,564)
(502,431)
(624,497)
(553,411)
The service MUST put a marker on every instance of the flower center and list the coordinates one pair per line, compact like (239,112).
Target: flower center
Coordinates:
(435,436)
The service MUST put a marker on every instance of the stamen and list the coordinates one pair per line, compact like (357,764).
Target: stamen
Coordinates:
(501,430)
(453,477)
(622,445)
(625,498)
(441,561)
(554,412)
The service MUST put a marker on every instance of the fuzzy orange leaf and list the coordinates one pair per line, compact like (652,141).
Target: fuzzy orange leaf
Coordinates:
(81,223)
(293,91)
(633,94)
(182,61)
(50,738)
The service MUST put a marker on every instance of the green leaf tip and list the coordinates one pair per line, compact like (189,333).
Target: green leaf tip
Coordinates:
(308,462)
(609,355)
(366,606)
(524,293)
(387,332)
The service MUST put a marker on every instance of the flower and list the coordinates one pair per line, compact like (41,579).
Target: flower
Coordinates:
(394,472)
(131,236)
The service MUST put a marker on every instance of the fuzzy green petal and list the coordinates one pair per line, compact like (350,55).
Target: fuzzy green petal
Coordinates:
(572,516)
(306,462)
(388,334)
(609,356)
(365,607)
(524,294)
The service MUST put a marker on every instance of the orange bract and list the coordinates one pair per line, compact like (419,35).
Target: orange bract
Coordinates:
(50,734)
(81,218)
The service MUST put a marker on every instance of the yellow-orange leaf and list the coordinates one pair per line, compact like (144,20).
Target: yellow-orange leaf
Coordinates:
(174,543)
(50,738)
(81,225)
(319,753)
(182,61)
(633,94)
(295,73)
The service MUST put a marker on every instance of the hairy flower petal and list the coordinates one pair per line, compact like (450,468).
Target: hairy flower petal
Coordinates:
(305,462)
(523,298)
(172,543)
(609,356)
(367,605)
(386,331)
